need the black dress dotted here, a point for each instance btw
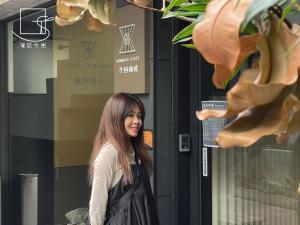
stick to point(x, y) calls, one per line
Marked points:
point(140, 209)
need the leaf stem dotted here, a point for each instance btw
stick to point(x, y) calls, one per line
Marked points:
point(184, 18)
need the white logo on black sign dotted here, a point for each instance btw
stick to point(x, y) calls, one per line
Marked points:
point(127, 44)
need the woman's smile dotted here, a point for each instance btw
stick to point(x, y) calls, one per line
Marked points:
point(133, 121)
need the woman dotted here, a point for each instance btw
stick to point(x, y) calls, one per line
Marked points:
point(121, 192)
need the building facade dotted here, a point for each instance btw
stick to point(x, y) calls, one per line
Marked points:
point(52, 93)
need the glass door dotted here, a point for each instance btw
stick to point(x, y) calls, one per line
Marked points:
point(257, 185)
point(57, 90)
point(59, 79)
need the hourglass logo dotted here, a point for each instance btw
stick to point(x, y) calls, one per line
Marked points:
point(127, 44)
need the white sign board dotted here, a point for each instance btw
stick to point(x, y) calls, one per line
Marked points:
point(212, 126)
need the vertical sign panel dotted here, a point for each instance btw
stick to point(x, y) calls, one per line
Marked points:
point(204, 162)
point(130, 70)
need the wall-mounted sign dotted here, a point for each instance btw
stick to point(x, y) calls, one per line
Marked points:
point(211, 127)
point(130, 55)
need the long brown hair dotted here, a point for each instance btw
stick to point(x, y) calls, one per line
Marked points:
point(112, 130)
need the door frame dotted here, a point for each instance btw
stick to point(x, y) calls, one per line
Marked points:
point(183, 194)
point(3, 118)
point(200, 186)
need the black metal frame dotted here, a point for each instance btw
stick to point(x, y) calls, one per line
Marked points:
point(182, 79)
point(184, 195)
point(205, 182)
point(163, 116)
point(3, 117)
point(200, 186)
point(195, 161)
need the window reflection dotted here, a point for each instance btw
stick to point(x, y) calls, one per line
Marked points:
point(257, 185)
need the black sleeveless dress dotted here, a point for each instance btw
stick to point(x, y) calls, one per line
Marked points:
point(140, 209)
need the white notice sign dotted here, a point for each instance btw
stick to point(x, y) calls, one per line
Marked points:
point(212, 126)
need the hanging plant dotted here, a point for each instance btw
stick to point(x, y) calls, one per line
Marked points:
point(226, 32)
point(261, 100)
point(98, 12)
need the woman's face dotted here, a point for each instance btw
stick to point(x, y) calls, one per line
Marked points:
point(133, 121)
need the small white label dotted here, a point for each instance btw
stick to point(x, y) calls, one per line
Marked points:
point(204, 162)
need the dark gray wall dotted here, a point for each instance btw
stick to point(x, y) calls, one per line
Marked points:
point(177, 95)
point(31, 155)
point(71, 191)
point(3, 122)
point(31, 151)
point(148, 98)
point(163, 126)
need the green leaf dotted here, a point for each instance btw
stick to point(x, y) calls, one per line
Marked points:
point(201, 1)
point(172, 4)
point(282, 3)
point(285, 12)
point(236, 71)
point(189, 46)
point(183, 40)
point(193, 7)
point(250, 29)
point(297, 7)
point(200, 17)
point(185, 32)
point(256, 7)
point(180, 13)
